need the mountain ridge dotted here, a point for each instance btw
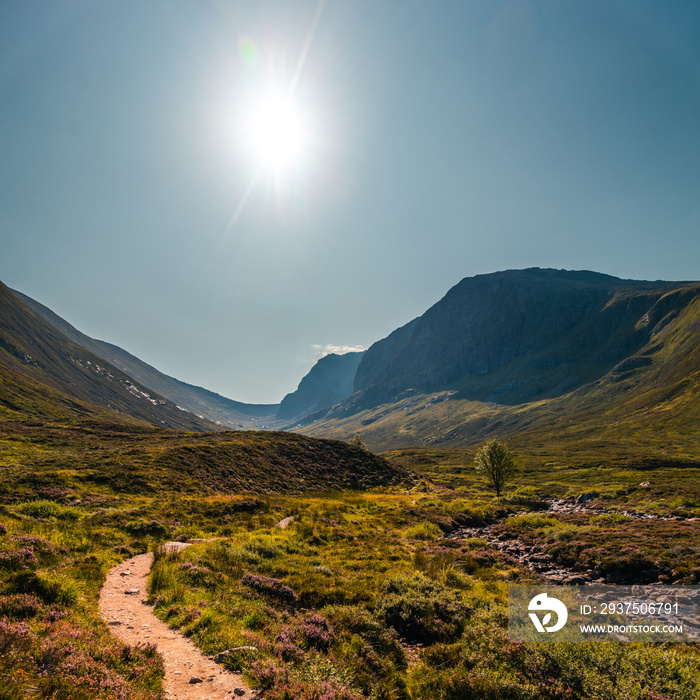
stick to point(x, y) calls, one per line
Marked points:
point(47, 375)
point(200, 401)
point(329, 382)
point(500, 354)
point(542, 344)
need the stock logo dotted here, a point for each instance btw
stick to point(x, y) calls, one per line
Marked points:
point(541, 603)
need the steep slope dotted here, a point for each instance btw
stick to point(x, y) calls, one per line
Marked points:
point(202, 402)
point(44, 374)
point(513, 336)
point(329, 381)
point(572, 354)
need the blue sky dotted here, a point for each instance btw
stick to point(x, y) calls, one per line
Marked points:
point(442, 140)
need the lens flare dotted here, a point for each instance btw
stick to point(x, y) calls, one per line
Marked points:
point(246, 48)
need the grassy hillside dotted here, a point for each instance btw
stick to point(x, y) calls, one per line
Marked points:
point(44, 374)
point(201, 402)
point(90, 457)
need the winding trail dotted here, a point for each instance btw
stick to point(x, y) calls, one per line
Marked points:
point(189, 675)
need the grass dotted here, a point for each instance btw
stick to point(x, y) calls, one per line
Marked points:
point(361, 596)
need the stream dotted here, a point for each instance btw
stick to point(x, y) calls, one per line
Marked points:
point(533, 556)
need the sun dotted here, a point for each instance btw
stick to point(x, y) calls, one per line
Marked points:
point(276, 132)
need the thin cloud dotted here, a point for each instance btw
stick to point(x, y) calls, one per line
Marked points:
point(323, 350)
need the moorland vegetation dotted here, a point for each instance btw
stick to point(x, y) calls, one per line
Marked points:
point(361, 596)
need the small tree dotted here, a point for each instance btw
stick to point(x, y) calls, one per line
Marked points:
point(497, 463)
point(356, 441)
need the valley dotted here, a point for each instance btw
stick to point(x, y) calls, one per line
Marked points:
point(391, 577)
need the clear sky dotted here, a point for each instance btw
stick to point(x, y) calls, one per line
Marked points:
point(148, 197)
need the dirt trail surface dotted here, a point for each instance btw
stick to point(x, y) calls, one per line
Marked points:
point(189, 675)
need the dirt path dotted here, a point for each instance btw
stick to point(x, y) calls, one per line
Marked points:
point(133, 622)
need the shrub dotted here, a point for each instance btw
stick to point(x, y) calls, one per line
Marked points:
point(271, 587)
point(49, 590)
point(14, 635)
point(317, 632)
point(523, 523)
point(48, 509)
point(195, 574)
point(609, 519)
point(123, 549)
point(147, 528)
point(19, 606)
point(421, 609)
point(23, 558)
point(286, 647)
point(425, 531)
point(361, 622)
point(261, 548)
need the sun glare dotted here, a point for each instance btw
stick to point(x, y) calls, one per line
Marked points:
point(276, 132)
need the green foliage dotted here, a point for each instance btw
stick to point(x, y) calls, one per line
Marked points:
point(421, 609)
point(357, 442)
point(48, 509)
point(345, 558)
point(147, 528)
point(497, 463)
point(520, 524)
point(424, 531)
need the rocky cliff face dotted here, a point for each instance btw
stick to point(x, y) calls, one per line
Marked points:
point(515, 336)
point(329, 382)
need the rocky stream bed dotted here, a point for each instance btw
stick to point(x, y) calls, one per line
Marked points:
point(535, 558)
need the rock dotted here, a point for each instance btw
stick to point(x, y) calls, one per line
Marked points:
point(574, 581)
point(586, 497)
point(222, 656)
point(194, 680)
point(132, 591)
point(114, 623)
point(286, 522)
point(239, 691)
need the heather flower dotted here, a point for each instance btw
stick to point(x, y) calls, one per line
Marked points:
point(272, 587)
point(23, 558)
point(286, 646)
point(14, 635)
point(317, 632)
point(39, 544)
point(195, 574)
point(19, 606)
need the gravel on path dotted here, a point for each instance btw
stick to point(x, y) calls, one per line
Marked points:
point(189, 675)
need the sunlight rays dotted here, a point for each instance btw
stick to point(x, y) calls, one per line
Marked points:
point(276, 130)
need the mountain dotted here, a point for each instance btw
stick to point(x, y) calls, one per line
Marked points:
point(202, 402)
point(519, 349)
point(513, 336)
point(328, 383)
point(45, 375)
